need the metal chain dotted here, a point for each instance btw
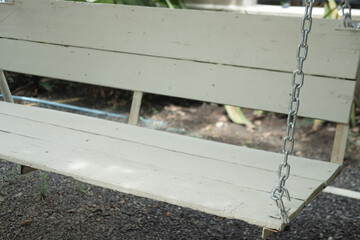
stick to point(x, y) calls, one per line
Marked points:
point(346, 12)
point(347, 20)
point(297, 82)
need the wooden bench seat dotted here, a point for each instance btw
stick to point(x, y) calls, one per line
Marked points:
point(220, 57)
point(216, 178)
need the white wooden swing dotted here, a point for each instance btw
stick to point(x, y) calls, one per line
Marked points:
point(226, 58)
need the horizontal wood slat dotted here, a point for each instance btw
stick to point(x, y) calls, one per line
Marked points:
point(173, 142)
point(267, 42)
point(177, 188)
point(158, 171)
point(252, 88)
point(159, 157)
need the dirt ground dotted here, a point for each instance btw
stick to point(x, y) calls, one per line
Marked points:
point(44, 205)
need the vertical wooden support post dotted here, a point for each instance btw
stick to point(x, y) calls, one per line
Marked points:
point(338, 150)
point(135, 108)
point(5, 88)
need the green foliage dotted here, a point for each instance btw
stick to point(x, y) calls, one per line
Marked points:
point(43, 188)
point(80, 187)
point(237, 116)
point(154, 111)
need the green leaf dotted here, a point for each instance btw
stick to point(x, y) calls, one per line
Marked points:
point(237, 116)
point(330, 10)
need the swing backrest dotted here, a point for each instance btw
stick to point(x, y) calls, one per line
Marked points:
point(221, 57)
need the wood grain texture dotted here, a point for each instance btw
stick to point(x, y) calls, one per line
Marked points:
point(267, 233)
point(266, 42)
point(135, 108)
point(252, 88)
point(170, 141)
point(339, 145)
point(163, 158)
point(158, 170)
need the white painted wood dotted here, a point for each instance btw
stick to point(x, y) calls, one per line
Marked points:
point(342, 192)
point(4, 87)
point(185, 190)
point(252, 88)
point(223, 186)
point(135, 108)
point(267, 233)
point(267, 42)
point(248, 3)
point(218, 169)
point(339, 145)
point(173, 142)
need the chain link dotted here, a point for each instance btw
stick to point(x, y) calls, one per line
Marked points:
point(287, 147)
point(346, 13)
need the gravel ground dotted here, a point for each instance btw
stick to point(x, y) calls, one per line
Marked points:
point(350, 177)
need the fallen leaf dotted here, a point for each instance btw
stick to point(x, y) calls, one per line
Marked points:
point(237, 116)
point(27, 221)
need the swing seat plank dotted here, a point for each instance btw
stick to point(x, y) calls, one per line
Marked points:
point(216, 178)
